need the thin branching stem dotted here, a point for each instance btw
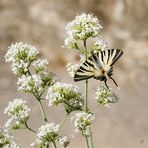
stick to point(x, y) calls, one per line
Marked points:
point(89, 139)
point(38, 98)
point(29, 128)
point(63, 121)
point(43, 111)
point(54, 144)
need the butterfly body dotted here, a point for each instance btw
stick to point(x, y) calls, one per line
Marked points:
point(99, 66)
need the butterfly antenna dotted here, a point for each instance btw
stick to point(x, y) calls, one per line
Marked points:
point(114, 82)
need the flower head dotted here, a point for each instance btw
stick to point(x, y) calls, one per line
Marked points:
point(72, 69)
point(20, 67)
point(83, 27)
point(65, 94)
point(21, 51)
point(104, 96)
point(47, 133)
point(30, 83)
point(7, 140)
point(40, 65)
point(13, 124)
point(99, 45)
point(64, 141)
point(70, 43)
point(17, 109)
point(48, 78)
point(82, 120)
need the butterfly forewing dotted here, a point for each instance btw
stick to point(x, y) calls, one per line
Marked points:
point(88, 69)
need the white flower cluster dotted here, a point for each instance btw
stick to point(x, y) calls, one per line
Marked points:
point(30, 83)
point(7, 140)
point(18, 112)
point(19, 67)
point(21, 55)
point(66, 94)
point(21, 51)
point(104, 96)
point(71, 68)
point(82, 120)
point(71, 43)
point(82, 27)
point(47, 134)
point(40, 65)
point(64, 141)
point(99, 45)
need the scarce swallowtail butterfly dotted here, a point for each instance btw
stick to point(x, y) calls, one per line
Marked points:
point(99, 66)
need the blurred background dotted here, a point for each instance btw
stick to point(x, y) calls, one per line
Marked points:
point(42, 24)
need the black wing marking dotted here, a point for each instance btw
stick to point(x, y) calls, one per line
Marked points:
point(115, 55)
point(103, 60)
point(88, 69)
point(107, 58)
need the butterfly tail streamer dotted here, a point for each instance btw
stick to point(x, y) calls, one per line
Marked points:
point(114, 81)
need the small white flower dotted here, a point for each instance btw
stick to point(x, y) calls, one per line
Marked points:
point(30, 83)
point(71, 68)
point(21, 51)
point(99, 45)
point(104, 96)
point(64, 141)
point(7, 140)
point(20, 67)
point(83, 27)
point(82, 120)
point(66, 94)
point(70, 43)
point(47, 134)
point(17, 110)
point(8, 124)
point(40, 65)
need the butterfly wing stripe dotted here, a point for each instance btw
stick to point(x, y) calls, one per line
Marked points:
point(80, 78)
point(83, 69)
point(95, 59)
point(117, 56)
point(117, 51)
point(90, 64)
point(86, 71)
point(113, 52)
point(105, 55)
point(108, 55)
point(99, 58)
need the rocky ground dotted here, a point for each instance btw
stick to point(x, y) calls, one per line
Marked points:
point(42, 23)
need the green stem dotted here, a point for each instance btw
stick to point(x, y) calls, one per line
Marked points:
point(38, 98)
point(86, 138)
point(63, 121)
point(42, 110)
point(54, 144)
point(30, 129)
point(89, 139)
point(86, 83)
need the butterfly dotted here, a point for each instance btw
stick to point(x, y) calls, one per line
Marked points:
point(99, 66)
